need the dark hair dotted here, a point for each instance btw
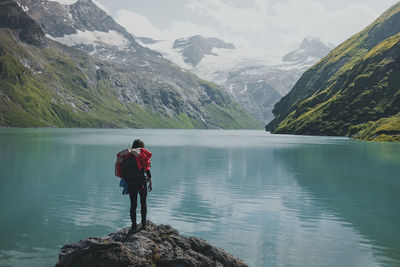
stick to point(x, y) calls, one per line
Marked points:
point(137, 143)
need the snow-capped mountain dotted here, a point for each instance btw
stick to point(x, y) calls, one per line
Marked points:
point(257, 80)
point(141, 76)
point(82, 25)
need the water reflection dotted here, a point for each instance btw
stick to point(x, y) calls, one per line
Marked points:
point(271, 200)
point(358, 184)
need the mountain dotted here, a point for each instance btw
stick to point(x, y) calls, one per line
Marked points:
point(29, 31)
point(259, 87)
point(352, 91)
point(194, 48)
point(256, 81)
point(310, 51)
point(120, 84)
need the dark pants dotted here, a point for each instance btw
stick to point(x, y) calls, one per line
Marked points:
point(133, 190)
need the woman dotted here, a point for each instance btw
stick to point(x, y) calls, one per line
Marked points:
point(135, 164)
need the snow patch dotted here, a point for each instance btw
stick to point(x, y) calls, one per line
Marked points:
point(166, 49)
point(110, 57)
point(231, 88)
point(65, 2)
point(91, 37)
point(244, 90)
point(24, 8)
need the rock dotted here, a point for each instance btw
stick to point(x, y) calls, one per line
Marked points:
point(193, 49)
point(13, 17)
point(157, 245)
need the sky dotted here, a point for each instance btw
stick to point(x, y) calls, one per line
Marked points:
point(258, 24)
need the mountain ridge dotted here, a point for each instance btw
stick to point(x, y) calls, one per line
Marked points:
point(256, 84)
point(194, 48)
point(358, 68)
point(88, 91)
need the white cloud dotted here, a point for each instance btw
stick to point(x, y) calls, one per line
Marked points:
point(141, 26)
point(252, 19)
point(310, 18)
point(284, 22)
point(262, 24)
point(185, 29)
point(65, 2)
point(138, 24)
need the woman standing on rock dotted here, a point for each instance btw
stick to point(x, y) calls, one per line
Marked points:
point(133, 164)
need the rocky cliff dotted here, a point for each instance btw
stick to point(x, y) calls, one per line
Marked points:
point(310, 51)
point(28, 31)
point(194, 48)
point(158, 245)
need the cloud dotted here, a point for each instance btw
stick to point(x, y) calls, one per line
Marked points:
point(138, 24)
point(261, 24)
point(65, 2)
point(284, 21)
point(236, 19)
point(310, 18)
point(141, 26)
point(186, 29)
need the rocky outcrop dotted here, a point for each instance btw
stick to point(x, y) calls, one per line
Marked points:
point(310, 51)
point(158, 245)
point(58, 20)
point(194, 48)
point(12, 17)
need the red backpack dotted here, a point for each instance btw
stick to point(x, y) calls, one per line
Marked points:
point(143, 161)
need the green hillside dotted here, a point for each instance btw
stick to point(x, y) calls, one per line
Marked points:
point(357, 83)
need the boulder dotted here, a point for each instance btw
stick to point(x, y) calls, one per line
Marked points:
point(157, 245)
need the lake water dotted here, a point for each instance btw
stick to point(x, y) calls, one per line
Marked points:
point(272, 200)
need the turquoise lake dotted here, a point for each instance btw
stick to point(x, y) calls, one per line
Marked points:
point(272, 200)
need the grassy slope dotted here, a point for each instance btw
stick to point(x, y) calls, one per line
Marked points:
point(364, 88)
point(368, 91)
point(227, 114)
point(56, 90)
point(385, 129)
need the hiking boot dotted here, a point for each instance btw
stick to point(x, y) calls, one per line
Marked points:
point(144, 225)
point(133, 229)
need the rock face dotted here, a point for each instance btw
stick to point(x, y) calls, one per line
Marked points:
point(194, 48)
point(258, 88)
point(310, 51)
point(158, 245)
point(58, 20)
point(29, 32)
